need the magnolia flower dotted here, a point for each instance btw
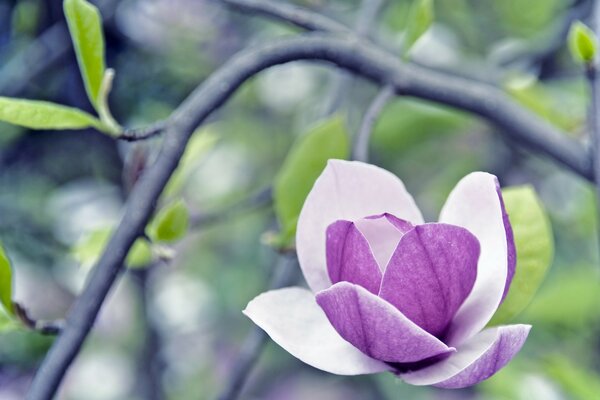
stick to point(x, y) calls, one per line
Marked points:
point(389, 292)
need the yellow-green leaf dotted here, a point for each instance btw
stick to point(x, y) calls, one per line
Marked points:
point(535, 249)
point(140, 255)
point(85, 26)
point(304, 163)
point(5, 282)
point(583, 42)
point(420, 18)
point(171, 223)
point(35, 114)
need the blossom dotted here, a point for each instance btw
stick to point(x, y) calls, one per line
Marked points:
point(389, 292)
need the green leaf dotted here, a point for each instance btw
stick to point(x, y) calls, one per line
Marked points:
point(304, 163)
point(85, 26)
point(569, 302)
point(5, 282)
point(200, 143)
point(577, 380)
point(140, 254)
point(35, 114)
point(171, 223)
point(7, 323)
point(535, 249)
point(420, 18)
point(87, 251)
point(583, 42)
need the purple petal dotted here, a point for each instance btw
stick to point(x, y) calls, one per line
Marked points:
point(375, 327)
point(383, 232)
point(292, 318)
point(349, 257)
point(349, 191)
point(475, 205)
point(510, 243)
point(477, 359)
point(431, 273)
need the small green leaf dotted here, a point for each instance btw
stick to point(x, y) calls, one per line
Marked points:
point(85, 26)
point(140, 255)
point(35, 114)
point(171, 223)
point(583, 43)
point(304, 163)
point(535, 249)
point(87, 251)
point(200, 143)
point(420, 18)
point(5, 282)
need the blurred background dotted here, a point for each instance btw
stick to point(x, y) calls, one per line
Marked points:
point(177, 327)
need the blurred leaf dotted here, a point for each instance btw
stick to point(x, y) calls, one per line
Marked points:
point(303, 164)
point(420, 18)
point(535, 249)
point(140, 254)
point(543, 101)
point(85, 26)
point(582, 42)
point(575, 379)
point(200, 143)
point(7, 323)
point(570, 300)
point(5, 282)
point(171, 223)
point(25, 17)
point(90, 247)
point(44, 115)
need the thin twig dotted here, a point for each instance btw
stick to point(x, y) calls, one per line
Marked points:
point(364, 59)
point(49, 328)
point(147, 132)
point(342, 80)
point(594, 112)
point(255, 341)
point(150, 361)
point(361, 143)
point(293, 14)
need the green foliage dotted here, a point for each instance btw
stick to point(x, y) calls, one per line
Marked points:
point(90, 247)
point(535, 249)
point(5, 283)
point(583, 43)
point(7, 323)
point(200, 143)
point(171, 223)
point(44, 115)
point(578, 381)
point(568, 302)
point(304, 163)
point(420, 18)
point(85, 26)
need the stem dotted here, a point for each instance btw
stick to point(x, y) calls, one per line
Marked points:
point(361, 145)
point(255, 341)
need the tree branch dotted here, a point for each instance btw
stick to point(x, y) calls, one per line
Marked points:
point(363, 59)
point(290, 13)
point(594, 113)
point(361, 143)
